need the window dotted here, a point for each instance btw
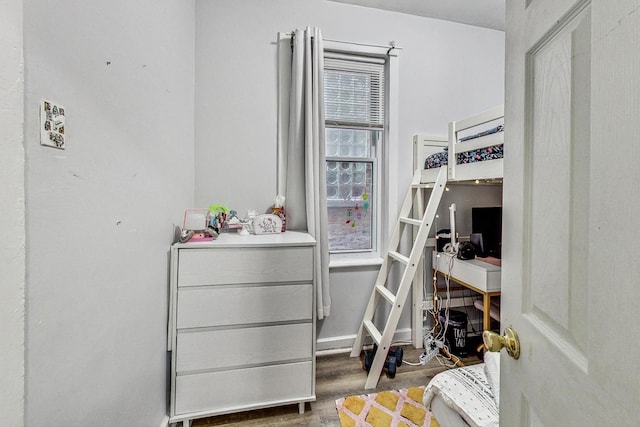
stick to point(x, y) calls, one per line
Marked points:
point(354, 88)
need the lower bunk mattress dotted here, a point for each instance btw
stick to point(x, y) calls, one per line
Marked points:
point(467, 396)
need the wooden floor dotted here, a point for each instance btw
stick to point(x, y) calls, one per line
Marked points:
point(337, 375)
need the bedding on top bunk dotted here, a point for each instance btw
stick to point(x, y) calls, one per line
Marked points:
point(441, 158)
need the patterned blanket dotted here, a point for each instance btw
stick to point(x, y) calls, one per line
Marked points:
point(441, 158)
point(472, 391)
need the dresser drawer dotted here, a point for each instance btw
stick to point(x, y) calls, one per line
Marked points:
point(228, 391)
point(241, 305)
point(225, 266)
point(222, 349)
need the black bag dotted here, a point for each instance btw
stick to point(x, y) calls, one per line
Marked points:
point(466, 250)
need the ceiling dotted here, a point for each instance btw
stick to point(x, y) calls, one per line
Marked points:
point(481, 13)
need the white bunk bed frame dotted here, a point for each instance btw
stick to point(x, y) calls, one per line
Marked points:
point(490, 171)
point(424, 146)
point(486, 170)
point(413, 206)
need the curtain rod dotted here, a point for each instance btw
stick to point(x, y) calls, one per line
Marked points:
point(391, 45)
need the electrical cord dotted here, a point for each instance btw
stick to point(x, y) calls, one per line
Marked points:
point(438, 332)
point(446, 361)
point(466, 308)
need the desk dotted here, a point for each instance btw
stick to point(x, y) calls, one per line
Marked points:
point(479, 276)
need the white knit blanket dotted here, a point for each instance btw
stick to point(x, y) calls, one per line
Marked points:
point(472, 391)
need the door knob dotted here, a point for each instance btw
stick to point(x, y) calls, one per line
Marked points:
point(509, 340)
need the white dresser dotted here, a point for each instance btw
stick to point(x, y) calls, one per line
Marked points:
point(241, 324)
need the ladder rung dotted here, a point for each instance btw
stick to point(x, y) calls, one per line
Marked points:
point(375, 334)
point(412, 221)
point(399, 257)
point(413, 200)
point(423, 185)
point(387, 294)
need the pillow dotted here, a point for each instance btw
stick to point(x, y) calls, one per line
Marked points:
point(492, 371)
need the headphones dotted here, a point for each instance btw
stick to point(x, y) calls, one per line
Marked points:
point(450, 249)
point(466, 250)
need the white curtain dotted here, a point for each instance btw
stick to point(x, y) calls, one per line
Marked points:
point(301, 163)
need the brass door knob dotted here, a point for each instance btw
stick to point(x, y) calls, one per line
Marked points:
point(509, 340)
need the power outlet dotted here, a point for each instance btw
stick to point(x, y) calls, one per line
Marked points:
point(428, 355)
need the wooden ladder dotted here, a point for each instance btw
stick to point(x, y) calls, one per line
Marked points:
point(411, 208)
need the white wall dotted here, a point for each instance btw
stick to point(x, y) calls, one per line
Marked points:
point(447, 71)
point(100, 213)
point(466, 197)
point(12, 214)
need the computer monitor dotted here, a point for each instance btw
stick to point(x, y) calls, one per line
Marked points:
point(486, 230)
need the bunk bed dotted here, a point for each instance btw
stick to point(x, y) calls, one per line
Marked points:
point(472, 152)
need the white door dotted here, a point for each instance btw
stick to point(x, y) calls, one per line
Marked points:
point(571, 245)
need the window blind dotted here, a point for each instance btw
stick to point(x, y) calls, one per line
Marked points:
point(354, 91)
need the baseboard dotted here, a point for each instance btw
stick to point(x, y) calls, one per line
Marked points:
point(345, 342)
point(165, 422)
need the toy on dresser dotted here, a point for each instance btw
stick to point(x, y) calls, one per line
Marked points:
point(233, 222)
point(218, 217)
